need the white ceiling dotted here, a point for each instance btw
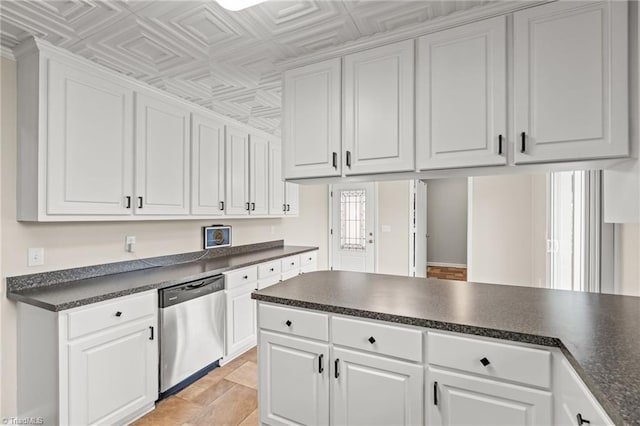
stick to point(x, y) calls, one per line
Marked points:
point(201, 52)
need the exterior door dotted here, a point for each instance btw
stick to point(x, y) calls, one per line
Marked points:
point(571, 81)
point(379, 98)
point(372, 390)
point(90, 144)
point(162, 157)
point(237, 194)
point(353, 223)
point(461, 96)
point(259, 175)
point(460, 399)
point(207, 166)
point(294, 380)
point(241, 319)
point(102, 388)
point(276, 184)
point(312, 107)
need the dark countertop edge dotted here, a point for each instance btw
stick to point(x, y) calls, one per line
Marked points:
point(533, 339)
point(19, 295)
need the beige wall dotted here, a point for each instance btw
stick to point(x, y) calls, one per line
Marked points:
point(393, 211)
point(628, 248)
point(77, 244)
point(507, 222)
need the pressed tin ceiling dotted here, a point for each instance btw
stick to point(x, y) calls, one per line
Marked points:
point(204, 53)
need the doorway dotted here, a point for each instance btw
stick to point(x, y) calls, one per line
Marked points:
point(352, 227)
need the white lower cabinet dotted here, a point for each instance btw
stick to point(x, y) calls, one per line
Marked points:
point(94, 364)
point(373, 390)
point(241, 320)
point(462, 399)
point(294, 380)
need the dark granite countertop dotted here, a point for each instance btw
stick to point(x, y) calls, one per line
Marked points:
point(80, 292)
point(599, 333)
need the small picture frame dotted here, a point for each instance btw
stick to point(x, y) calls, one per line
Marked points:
point(216, 236)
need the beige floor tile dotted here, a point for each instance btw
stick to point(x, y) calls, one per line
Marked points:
point(251, 355)
point(251, 420)
point(246, 375)
point(213, 392)
point(171, 411)
point(229, 409)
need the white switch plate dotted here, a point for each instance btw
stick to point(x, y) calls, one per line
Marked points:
point(35, 256)
point(130, 243)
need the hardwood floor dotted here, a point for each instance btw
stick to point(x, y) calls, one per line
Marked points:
point(225, 396)
point(447, 273)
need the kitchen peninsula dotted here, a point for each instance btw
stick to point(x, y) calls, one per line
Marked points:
point(454, 352)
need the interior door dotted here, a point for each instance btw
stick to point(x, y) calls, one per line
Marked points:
point(259, 175)
point(207, 166)
point(353, 209)
point(375, 391)
point(237, 150)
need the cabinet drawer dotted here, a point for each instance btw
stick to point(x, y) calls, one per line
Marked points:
point(382, 339)
point(309, 258)
point(508, 362)
point(240, 277)
point(268, 269)
point(301, 323)
point(291, 262)
point(290, 274)
point(112, 313)
point(574, 398)
point(309, 267)
point(268, 281)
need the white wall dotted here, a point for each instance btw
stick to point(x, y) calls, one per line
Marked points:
point(77, 244)
point(447, 220)
point(628, 250)
point(393, 211)
point(507, 222)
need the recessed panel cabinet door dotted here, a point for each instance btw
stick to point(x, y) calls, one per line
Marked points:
point(373, 390)
point(378, 111)
point(461, 96)
point(459, 399)
point(89, 145)
point(571, 81)
point(294, 380)
point(276, 184)
point(113, 374)
point(237, 194)
point(241, 319)
point(162, 157)
point(311, 125)
point(207, 166)
point(259, 175)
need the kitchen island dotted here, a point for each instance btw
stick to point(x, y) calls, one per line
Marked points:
point(597, 334)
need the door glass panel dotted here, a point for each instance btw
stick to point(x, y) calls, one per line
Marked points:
point(352, 220)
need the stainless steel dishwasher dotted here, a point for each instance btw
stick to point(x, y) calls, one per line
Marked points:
point(192, 331)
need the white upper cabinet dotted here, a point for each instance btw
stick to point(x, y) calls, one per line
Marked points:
point(162, 157)
point(378, 110)
point(311, 123)
point(237, 194)
point(259, 175)
point(292, 198)
point(207, 166)
point(571, 82)
point(276, 185)
point(461, 96)
point(90, 144)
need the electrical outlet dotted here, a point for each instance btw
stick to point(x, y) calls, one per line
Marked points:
point(130, 243)
point(35, 257)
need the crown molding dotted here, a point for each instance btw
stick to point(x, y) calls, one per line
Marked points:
point(7, 53)
point(411, 32)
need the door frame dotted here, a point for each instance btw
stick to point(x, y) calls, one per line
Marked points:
point(375, 225)
point(417, 227)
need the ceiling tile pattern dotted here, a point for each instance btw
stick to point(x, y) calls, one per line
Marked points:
point(222, 60)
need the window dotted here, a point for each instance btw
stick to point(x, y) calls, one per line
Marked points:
point(352, 220)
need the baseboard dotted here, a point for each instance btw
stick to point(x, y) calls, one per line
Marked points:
point(237, 353)
point(447, 265)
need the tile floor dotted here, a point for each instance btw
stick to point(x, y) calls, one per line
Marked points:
point(446, 273)
point(225, 396)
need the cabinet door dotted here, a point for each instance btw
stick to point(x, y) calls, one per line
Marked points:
point(241, 319)
point(379, 110)
point(162, 157)
point(276, 184)
point(570, 81)
point(113, 374)
point(90, 145)
point(292, 198)
point(259, 175)
point(207, 166)
point(312, 100)
point(461, 96)
point(459, 399)
point(237, 194)
point(373, 390)
point(294, 380)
